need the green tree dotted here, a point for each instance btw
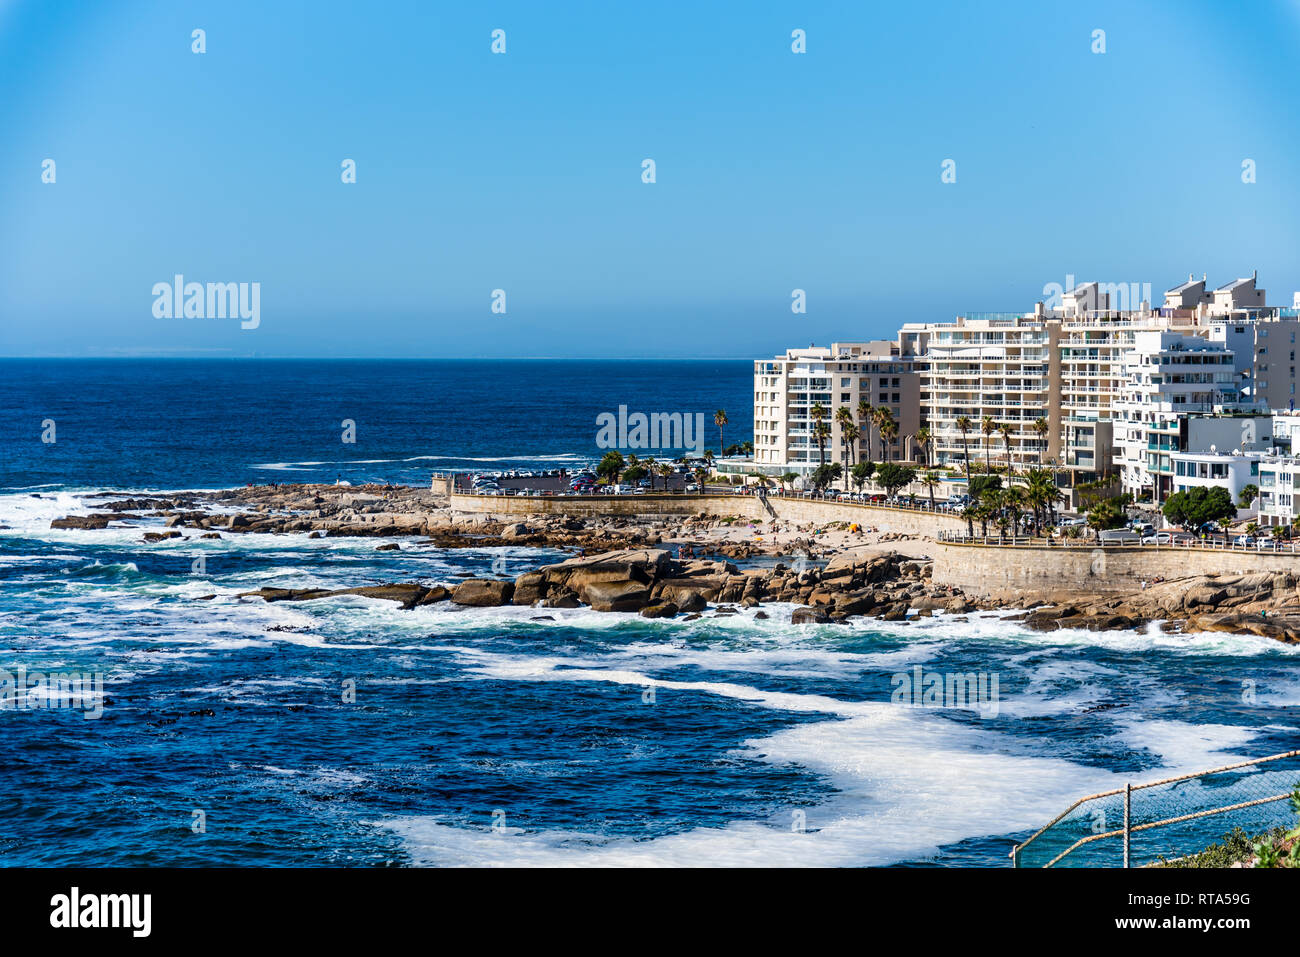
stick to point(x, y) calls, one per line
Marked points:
point(1248, 495)
point(861, 473)
point(825, 475)
point(980, 485)
point(1041, 494)
point(1198, 505)
point(611, 466)
point(891, 477)
point(1105, 515)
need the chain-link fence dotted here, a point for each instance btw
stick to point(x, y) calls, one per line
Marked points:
point(1169, 818)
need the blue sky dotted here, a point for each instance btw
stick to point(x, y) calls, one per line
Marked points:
point(522, 171)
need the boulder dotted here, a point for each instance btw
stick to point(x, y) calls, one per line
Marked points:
point(683, 595)
point(660, 610)
point(83, 521)
point(614, 595)
point(483, 592)
point(434, 594)
point(627, 565)
point(858, 604)
point(530, 588)
point(808, 616)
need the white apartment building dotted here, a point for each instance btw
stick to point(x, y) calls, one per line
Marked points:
point(1063, 366)
point(1215, 470)
point(1279, 490)
point(1180, 394)
point(787, 388)
point(994, 365)
point(1286, 432)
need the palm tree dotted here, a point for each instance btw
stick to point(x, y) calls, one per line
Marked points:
point(851, 433)
point(1041, 493)
point(923, 438)
point(819, 431)
point(888, 431)
point(720, 420)
point(988, 427)
point(787, 478)
point(1041, 429)
point(964, 425)
point(996, 501)
point(1005, 429)
point(865, 418)
point(665, 470)
point(878, 416)
point(651, 470)
point(844, 418)
point(930, 480)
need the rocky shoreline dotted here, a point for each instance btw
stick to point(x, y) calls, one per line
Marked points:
point(634, 569)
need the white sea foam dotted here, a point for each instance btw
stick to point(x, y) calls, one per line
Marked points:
point(909, 781)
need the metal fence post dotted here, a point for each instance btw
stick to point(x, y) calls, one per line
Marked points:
point(1128, 801)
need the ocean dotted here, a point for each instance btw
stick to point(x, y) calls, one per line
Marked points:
point(348, 732)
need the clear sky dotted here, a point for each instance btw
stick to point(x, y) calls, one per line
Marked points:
point(523, 171)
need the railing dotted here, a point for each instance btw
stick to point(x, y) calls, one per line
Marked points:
point(1166, 819)
point(1288, 547)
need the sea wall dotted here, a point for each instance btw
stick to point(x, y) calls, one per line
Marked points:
point(798, 510)
point(984, 569)
point(980, 569)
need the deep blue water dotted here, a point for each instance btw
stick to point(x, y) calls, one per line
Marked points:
point(194, 423)
point(492, 736)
